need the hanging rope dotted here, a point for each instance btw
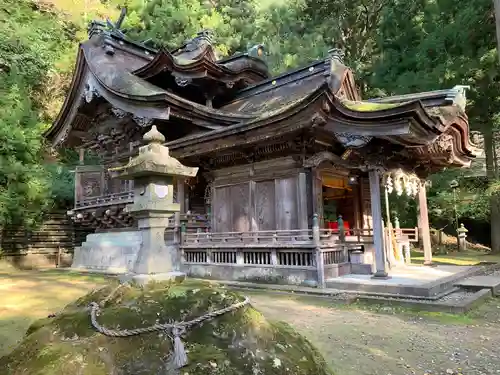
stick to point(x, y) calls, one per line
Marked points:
point(172, 330)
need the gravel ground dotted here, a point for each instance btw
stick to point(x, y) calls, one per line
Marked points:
point(360, 342)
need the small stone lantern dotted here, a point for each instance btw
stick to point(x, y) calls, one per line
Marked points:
point(153, 172)
point(462, 235)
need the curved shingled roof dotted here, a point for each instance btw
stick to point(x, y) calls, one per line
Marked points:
point(432, 126)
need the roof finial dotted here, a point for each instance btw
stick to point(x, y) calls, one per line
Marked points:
point(257, 51)
point(207, 34)
point(337, 54)
point(153, 136)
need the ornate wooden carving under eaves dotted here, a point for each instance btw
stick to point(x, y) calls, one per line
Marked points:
point(444, 143)
point(318, 120)
point(182, 82)
point(90, 92)
point(352, 140)
point(325, 156)
point(143, 122)
point(119, 113)
point(64, 137)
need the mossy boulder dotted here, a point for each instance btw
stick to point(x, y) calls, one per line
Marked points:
point(239, 342)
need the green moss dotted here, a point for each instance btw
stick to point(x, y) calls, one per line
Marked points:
point(239, 342)
point(368, 106)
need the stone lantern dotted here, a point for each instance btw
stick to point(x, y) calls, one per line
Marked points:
point(153, 172)
point(462, 237)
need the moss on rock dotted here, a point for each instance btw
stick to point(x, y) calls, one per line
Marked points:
point(240, 342)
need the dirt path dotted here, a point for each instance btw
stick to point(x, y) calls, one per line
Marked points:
point(360, 342)
point(355, 341)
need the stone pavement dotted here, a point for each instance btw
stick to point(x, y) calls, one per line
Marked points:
point(481, 282)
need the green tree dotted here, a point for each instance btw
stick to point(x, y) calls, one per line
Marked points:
point(170, 23)
point(31, 43)
point(426, 45)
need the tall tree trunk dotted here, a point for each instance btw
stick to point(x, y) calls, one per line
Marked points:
point(489, 147)
point(489, 150)
point(496, 6)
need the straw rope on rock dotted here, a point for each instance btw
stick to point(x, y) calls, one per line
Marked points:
point(176, 330)
point(222, 335)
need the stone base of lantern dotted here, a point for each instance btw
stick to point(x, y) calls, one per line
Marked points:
point(112, 252)
point(144, 279)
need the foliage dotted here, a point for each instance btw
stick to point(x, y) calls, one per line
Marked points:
point(393, 46)
point(431, 44)
point(29, 46)
point(23, 181)
point(37, 52)
point(469, 198)
point(424, 45)
point(170, 23)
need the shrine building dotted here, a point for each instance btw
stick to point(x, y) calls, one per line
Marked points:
point(290, 166)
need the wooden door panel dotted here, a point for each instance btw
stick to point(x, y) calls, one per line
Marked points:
point(240, 207)
point(221, 208)
point(286, 203)
point(265, 205)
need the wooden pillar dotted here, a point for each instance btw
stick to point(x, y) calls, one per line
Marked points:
point(130, 183)
point(302, 200)
point(181, 195)
point(358, 212)
point(320, 266)
point(81, 156)
point(378, 230)
point(425, 230)
point(317, 192)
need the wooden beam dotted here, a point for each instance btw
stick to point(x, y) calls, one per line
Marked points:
point(317, 192)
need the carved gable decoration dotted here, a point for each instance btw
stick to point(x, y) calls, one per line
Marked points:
point(349, 140)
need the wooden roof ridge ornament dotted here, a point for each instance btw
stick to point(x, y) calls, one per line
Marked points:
point(459, 98)
point(340, 78)
point(201, 43)
point(153, 160)
point(341, 83)
point(114, 28)
point(197, 59)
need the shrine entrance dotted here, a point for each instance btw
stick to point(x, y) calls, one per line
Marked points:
point(338, 200)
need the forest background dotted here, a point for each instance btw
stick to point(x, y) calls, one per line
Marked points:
point(393, 46)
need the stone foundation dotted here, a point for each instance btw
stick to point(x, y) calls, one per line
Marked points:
point(114, 252)
point(256, 274)
point(336, 270)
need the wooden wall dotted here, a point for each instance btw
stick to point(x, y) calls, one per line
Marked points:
point(277, 195)
point(270, 195)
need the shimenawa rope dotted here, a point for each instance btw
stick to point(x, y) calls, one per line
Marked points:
point(172, 330)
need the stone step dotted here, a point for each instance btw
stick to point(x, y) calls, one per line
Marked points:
point(481, 282)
